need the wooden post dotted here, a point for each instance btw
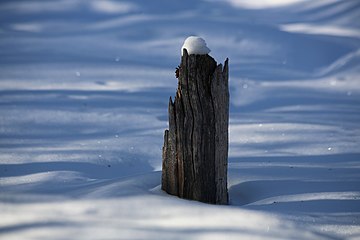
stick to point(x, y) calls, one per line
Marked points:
point(195, 151)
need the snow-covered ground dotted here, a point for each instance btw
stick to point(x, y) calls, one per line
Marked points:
point(84, 86)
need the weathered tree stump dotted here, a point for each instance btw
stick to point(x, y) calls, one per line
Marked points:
point(195, 151)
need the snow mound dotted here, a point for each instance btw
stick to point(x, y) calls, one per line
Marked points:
point(195, 45)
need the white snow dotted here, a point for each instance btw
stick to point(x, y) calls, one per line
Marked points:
point(324, 30)
point(195, 45)
point(112, 7)
point(27, 27)
point(260, 4)
point(84, 92)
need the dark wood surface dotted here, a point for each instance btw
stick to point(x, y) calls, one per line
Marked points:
point(195, 148)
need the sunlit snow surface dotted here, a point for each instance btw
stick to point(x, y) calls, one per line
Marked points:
point(84, 87)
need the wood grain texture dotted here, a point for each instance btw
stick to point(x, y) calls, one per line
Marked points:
point(195, 148)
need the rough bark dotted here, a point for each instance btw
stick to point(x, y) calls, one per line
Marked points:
point(195, 148)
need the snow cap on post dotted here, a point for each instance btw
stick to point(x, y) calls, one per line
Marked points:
point(195, 45)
